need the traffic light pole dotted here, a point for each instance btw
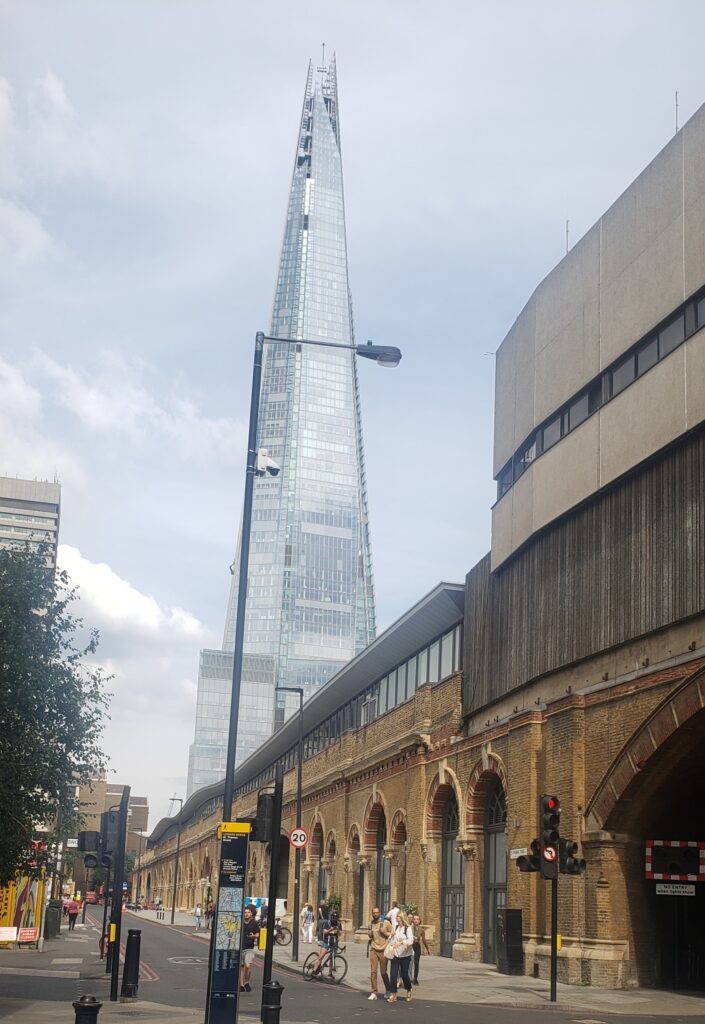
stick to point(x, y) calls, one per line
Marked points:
point(554, 937)
point(116, 907)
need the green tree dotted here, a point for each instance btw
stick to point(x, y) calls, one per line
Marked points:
point(52, 710)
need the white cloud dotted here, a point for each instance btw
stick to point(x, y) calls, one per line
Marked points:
point(114, 603)
point(151, 651)
point(111, 398)
point(22, 235)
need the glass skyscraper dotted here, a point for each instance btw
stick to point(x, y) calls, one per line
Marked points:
point(310, 599)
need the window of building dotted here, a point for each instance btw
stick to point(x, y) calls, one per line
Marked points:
point(422, 675)
point(447, 656)
point(623, 374)
point(369, 711)
point(411, 676)
point(647, 356)
point(433, 662)
point(551, 433)
point(700, 315)
point(383, 696)
point(671, 336)
point(506, 478)
point(578, 411)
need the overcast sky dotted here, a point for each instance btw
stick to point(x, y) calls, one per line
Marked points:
point(146, 150)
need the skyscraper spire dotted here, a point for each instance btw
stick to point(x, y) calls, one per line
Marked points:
point(310, 604)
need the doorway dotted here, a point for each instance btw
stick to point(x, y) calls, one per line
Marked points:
point(452, 879)
point(495, 866)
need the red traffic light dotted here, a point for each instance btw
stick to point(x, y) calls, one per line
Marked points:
point(553, 803)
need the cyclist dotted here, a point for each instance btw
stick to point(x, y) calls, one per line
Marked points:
point(329, 934)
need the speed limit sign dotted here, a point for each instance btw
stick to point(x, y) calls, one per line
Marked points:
point(299, 838)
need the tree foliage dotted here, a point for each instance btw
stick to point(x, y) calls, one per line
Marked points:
point(52, 710)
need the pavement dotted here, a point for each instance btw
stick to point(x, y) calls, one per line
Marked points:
point(68, 965)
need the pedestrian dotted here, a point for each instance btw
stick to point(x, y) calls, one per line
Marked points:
point(263, 915)
point(198, 912)
point(419, 938)
point(399, 951)
point(210, 909)
point(392, 915)
point(308, 919)
point(379, 933)
point(72, 911)
point(250, 934)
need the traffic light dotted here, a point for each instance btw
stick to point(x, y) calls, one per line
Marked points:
point(549, 839)
point(532, 861)
point(110, 830)
point(90, 861)
point(261, 826)
point(88, 842)
point(568, 860)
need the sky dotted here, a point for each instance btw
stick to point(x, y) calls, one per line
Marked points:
point(146, 151)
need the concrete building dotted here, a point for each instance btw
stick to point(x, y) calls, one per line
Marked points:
point(29, 514)
point(583, 641)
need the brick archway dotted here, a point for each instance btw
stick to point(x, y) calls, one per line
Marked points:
point(443, 786)
point(376, 807)
point(482, 777)
point(637, 754)
point(354, 839)
point(397, 830)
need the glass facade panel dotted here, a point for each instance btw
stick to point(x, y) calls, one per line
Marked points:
point(310, 600)
point(411, 675)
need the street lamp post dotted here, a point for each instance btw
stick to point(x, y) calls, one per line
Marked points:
point(176, 799)
point(383, 355)
point(299, 823)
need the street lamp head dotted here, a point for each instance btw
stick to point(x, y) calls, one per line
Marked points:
point(383, 355)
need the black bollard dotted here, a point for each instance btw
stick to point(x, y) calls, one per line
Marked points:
point(87, 1009)
point(271, 1002)
point(131, 970)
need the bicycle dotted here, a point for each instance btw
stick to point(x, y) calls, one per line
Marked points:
point(282, 934)
point(333, 967)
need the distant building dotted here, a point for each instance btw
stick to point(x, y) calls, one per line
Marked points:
point(100, 796)
point(29, 514)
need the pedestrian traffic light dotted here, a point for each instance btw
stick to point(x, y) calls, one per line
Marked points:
point(90, 861)
point(568, 860)
point(549, 839)
point(106, 861)
point(531, 861)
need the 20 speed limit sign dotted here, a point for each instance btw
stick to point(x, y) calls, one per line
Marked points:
point(298, 838)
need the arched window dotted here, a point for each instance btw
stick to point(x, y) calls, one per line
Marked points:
point(384, 867)
point(452, 878)
point(495, 864)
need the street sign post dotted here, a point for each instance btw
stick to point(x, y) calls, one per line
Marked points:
point(226, 930)
point(298, 838)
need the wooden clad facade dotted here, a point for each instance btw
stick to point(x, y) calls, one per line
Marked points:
point(627, 563)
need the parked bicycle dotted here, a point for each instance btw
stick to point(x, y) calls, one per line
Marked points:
point(282, 934)
point(332, 969)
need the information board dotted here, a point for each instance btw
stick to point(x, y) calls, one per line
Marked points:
point(224, 982)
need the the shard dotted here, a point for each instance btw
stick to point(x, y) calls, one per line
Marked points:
point(310, 600)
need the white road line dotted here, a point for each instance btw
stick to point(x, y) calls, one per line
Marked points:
point(68, 960)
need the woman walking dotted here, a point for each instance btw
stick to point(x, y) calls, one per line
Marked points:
point(419, 937)
point(398, 952)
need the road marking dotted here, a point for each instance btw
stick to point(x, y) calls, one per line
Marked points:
point(190, 960)
point(34, 972)
point(68, 960)
point(578, 1020)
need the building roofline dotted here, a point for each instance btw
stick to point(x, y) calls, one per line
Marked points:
point(436, 612)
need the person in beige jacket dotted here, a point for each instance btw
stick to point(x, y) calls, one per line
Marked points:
point(379, 932)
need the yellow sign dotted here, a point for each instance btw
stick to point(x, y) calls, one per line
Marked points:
point(262, 941)
point(234, 827)
point(559, 941)
point(113, 932)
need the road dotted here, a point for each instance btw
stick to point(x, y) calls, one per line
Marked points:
point(174, 972)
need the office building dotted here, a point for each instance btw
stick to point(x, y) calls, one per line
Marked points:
point(29, 514)
point(310, 602)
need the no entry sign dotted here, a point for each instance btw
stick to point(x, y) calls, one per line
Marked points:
point(298, 838)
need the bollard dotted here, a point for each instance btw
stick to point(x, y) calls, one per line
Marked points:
point(87, 1009)
point(131, 970)
point(271, 1002)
